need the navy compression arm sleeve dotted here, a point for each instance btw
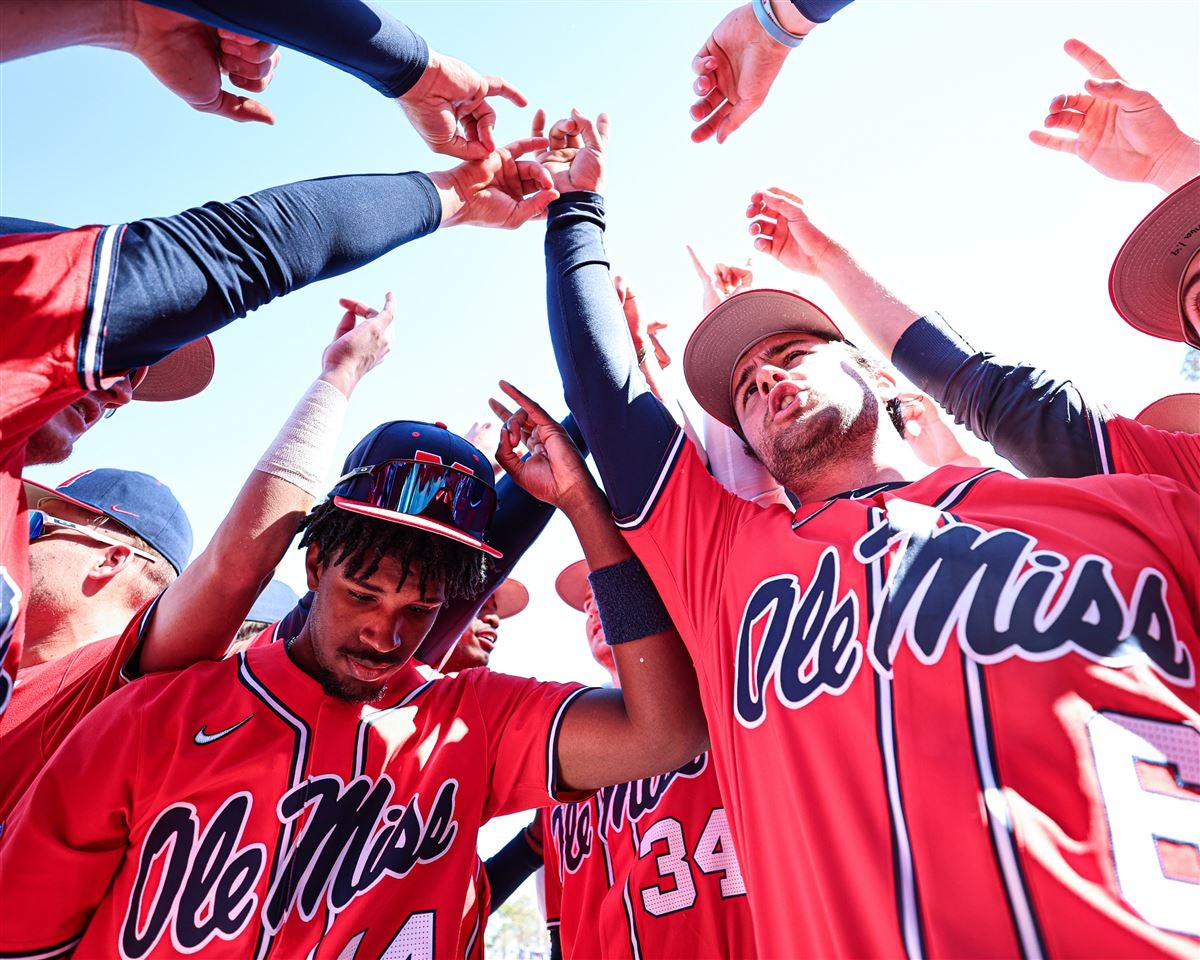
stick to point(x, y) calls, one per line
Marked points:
point(818, 11)
point(178, 278)
point(511, 866)
point(626, 426)
point(1040, 424)
point(359, 38)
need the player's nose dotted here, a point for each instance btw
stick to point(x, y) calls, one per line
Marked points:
point(768, 375)
point(381, 634)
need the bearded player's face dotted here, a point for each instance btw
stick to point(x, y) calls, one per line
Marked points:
point(800, 399)
point(362, 630)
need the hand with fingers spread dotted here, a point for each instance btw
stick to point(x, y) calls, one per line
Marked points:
point(554, 471)
point(736, 67)
point(448, 107)
point(577, 152)
point(358, 347)
point(501, 190)
point(644, 335)
point(1123, 133)
point(189, 57)
point(721, 280)
point(781, 228)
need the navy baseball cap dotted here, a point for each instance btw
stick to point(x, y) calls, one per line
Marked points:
point(423, 476)
point(137, 501)
point(274, 603)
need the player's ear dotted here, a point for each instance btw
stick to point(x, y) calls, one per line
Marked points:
point(109, 563)
point(313, 566)
point(885, 383)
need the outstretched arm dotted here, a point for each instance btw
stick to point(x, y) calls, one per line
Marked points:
point(627, 428)
point(199, 613)
point(175, 279)
point(654, 723)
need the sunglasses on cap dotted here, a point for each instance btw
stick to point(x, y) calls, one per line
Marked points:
point(418, 488)
point(40, 523)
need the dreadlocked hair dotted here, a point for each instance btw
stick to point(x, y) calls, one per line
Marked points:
point(360, 543)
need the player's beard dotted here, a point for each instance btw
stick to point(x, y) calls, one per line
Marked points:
point(341, 687)
point(819, 440)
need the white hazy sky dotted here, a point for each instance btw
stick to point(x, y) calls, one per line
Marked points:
point(903, 124)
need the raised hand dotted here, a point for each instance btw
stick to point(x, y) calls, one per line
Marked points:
point(554, 471)
point(498, 191)
point(929, 435)
point(189, 58)
point(448, 107)
point(358, 348)
point(577, 152)
point(644, 335)
point(1123, 133)
point(720, 281)
point(781, 228)
point(735, 69)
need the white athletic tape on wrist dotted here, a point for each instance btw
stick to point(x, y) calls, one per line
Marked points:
point(302, 451)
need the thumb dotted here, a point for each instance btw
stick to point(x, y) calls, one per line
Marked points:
point(239, 108)
point(737, 116)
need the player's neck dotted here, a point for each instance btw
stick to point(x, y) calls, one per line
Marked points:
point(886, 460)
point(50, 635)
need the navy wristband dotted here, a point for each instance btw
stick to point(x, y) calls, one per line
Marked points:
point(627, 602)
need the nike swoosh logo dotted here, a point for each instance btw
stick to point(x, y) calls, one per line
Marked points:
point(202, 737)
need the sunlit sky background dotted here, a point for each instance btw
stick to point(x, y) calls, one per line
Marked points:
point(903, 124)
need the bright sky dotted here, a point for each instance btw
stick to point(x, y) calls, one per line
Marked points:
point(903, 124)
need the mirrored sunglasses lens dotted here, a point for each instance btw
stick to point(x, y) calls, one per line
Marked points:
point(37, 524)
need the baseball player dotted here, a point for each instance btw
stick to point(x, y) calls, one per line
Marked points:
point(90, 308)
point(644, 869)
point(316, 797)
point(475, 645)
point(952, 712)
point(1040, 423)
point(80, 640)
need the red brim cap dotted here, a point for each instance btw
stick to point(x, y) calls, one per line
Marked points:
point(1146, 277)
point(1176, 413)
point(419, 523)
point(36, 492)
point(572, 584)
point(179, 375)
point(732, 328)
point(511, 598)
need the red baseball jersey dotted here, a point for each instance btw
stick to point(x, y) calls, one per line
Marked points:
point(54, 288)
point(234, 808)
point(646, 871)
point(954, 717)
point(1127, 446)
point(51, 699)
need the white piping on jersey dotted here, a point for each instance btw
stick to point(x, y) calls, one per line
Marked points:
point(1000, 817)
point(49, 953)
point(1100, 434)
point(552, 741)
point(93, 330)
point(668, 464)
point(297, 774)
point(360, 745)
point(635, 945)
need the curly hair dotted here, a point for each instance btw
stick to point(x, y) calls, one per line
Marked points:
point(360, 543)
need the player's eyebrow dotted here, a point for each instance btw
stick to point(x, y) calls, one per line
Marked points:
point(771, 354)
point(365, 584)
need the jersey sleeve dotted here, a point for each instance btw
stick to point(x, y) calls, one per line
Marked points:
point(552, 877)
point(683, 535)
point(522, 719)
point(1133, 447)
point(67, 837)
point(55, 288)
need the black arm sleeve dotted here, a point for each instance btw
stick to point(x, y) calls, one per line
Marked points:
point(818, 11)
point(520, 519)
point(1040, 424)
point(510, 867)
point(626, 426)
point(359, 38)
point(182, 277)
point(555, 944)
